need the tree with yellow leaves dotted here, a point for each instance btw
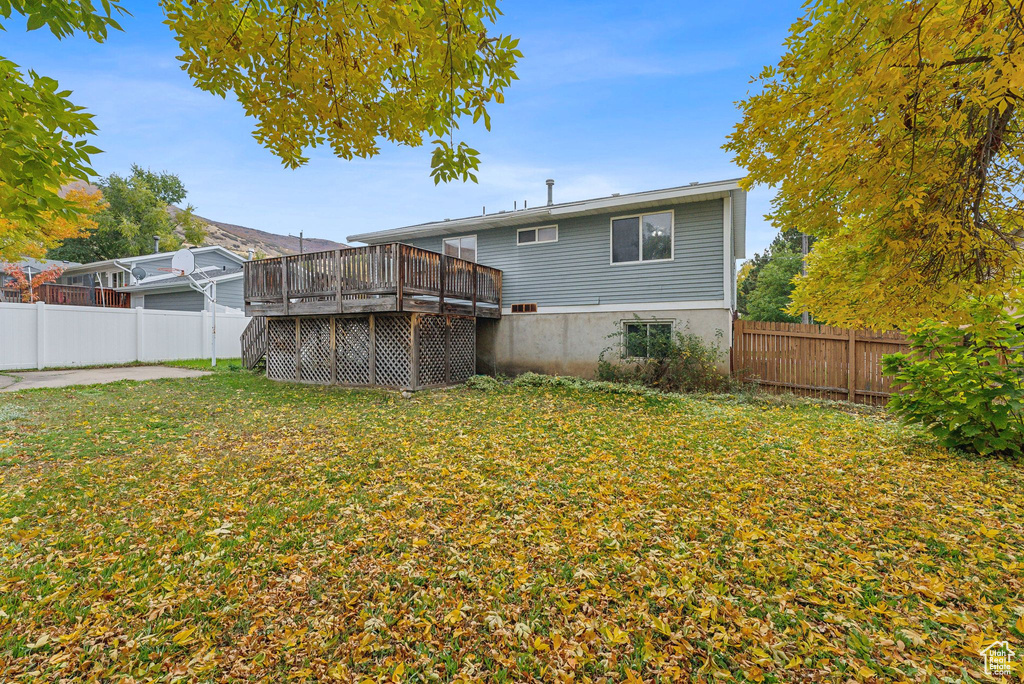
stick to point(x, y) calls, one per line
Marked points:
point(312, 73)
point(892, 132)
point(27, 237)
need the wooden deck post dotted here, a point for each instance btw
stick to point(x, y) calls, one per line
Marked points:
point(334, 350)
point(474, 288)
point(298, 351)
point(372, 359)
point(851, 395)
point(284, 284)
point(400, 276)
point(414, 352)
point(448, 350)
point(339, 287)
point(442, 269)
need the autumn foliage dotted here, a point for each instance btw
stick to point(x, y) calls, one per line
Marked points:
point(347, 76)
point(235, 529)
point(29, 287)
point(31, 238)
point(892, 132)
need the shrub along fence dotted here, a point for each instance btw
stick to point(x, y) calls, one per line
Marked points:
point(815, 360)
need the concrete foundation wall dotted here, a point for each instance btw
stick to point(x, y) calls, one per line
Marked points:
point(570, 343)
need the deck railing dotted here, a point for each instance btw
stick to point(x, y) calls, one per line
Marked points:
point(394, 276)
point(72, 295)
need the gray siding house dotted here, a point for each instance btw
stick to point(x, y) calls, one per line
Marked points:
point(578, 272)
point(161, 289)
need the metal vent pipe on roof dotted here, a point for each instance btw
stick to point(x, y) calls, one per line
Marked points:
point(551, 184)
point(156, 244)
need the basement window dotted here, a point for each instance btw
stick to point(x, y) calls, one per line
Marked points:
point(524, 308)
point(646, 340)
point(461, 247)
point(533, 236)
point(642, 238)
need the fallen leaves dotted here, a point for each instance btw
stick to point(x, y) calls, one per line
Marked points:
point(531, 533)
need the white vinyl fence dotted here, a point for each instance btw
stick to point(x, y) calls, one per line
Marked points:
point(50, 336)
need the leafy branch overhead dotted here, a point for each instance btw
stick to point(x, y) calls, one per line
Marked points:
point(311, 73)
point(892, 132)
point(330, 73)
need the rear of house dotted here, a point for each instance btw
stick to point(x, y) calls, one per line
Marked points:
point(578, 273)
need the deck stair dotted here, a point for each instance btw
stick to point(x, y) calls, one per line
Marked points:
point(254, 341)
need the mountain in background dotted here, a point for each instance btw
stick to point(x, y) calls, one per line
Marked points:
point(240, 239)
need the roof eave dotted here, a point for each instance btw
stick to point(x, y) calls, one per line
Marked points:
point(167, 285)
point(644, 199)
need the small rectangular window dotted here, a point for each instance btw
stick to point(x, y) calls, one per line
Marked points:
point(647, 237)
point(461, 247)
point(529, 236)
point(647, 340)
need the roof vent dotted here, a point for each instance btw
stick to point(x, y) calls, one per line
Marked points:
point(551, 184)
point(615, 194)
point(694, 182)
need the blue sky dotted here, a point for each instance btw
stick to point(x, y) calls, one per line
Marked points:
point(612, 97)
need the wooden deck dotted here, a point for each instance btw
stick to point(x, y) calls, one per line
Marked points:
point(71, 295)
point(378, 278)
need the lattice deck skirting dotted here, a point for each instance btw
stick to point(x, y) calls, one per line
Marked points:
point(404, 351)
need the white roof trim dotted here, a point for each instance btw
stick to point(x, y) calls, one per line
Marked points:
point(163, 283)
point(99, 265)
point(526, 217)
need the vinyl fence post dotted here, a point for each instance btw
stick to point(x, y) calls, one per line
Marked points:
point(204, 334)
point(40, 335)
point(140, 344)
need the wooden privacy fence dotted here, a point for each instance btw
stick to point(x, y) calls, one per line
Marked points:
point(815, 360)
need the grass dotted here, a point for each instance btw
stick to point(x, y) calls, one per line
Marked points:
point(200, 364)
point(232, 528)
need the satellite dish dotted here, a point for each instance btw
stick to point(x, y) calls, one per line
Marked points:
point(183, 262)
point(139, 273)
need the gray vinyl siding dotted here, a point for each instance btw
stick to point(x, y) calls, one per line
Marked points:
point(203, 259)
point(229, 293)
point(175, 301)
point(577, 270)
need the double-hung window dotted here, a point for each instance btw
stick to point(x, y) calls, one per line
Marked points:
point(533, 236)
point(646, 237)
point(461, 247)
point(647, 340)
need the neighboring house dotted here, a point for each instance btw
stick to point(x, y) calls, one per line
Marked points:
point(31, 268)
point(161, 289)
point(578, 272)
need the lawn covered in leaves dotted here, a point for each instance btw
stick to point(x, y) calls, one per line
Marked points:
point(231, 528)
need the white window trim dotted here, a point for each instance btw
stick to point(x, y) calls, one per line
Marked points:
point(537, 242)
point(611, 238)
point(644, 321)
point(476, 251)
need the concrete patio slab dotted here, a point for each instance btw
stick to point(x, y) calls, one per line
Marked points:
point(22, 380)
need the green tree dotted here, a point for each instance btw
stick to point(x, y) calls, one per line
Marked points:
point(136, 212)
point(42, 132)
point(310, 73)
point(751, 271)
point(770, 298)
